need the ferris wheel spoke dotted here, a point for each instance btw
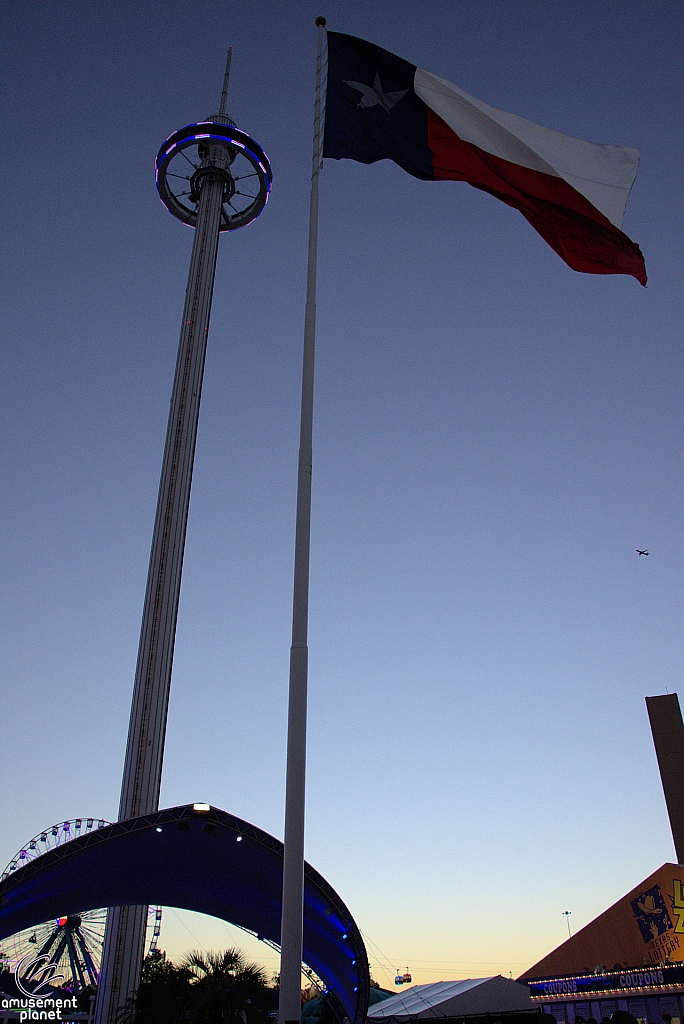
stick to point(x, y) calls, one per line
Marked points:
point(59, 952)
point(50, 939)
point(74, 962)
point(87, 958)
point(82, 958)
point(184, 154)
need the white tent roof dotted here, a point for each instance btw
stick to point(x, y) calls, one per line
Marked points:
point(450, 998)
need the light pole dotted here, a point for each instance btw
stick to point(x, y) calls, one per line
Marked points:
point(215, 178)
point(567, 914)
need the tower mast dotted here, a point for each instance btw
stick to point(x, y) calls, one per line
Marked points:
point(211, 201)
point(224, 94)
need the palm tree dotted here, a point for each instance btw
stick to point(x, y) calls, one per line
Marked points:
point(225, 988)
point(164, 990)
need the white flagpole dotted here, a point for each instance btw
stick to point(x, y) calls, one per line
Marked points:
point(293, 865)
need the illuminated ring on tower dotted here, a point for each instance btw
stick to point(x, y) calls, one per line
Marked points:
point(247, 182)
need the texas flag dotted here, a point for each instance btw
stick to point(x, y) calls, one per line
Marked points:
point(573, 193)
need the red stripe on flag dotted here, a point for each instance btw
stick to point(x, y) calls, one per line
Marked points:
point(575, 229)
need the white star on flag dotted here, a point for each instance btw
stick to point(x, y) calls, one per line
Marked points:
point(372, 96)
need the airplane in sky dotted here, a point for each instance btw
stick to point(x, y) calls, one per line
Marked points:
point(641, 552)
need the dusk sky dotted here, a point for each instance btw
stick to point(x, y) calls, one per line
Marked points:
point(495, 435)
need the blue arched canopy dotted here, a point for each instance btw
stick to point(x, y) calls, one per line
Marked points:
point(207, 861)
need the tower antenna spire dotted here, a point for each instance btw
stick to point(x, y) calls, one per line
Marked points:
point(224, 94)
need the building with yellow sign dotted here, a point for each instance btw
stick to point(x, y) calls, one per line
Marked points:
point(630, 958)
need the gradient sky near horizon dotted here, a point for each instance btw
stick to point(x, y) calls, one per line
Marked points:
point(495, 436)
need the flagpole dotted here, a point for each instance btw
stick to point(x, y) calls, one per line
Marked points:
point(293, 863)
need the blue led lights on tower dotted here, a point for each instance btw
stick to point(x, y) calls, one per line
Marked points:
point(215, 178)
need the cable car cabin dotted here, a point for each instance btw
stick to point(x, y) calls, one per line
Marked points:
point(407, 977)
point(403, 979)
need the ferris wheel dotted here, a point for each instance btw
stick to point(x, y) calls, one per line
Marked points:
point(74, 942)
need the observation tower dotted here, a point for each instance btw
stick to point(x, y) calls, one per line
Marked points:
point(213, 177)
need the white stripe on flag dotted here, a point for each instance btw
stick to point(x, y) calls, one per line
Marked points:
point(603, 174)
